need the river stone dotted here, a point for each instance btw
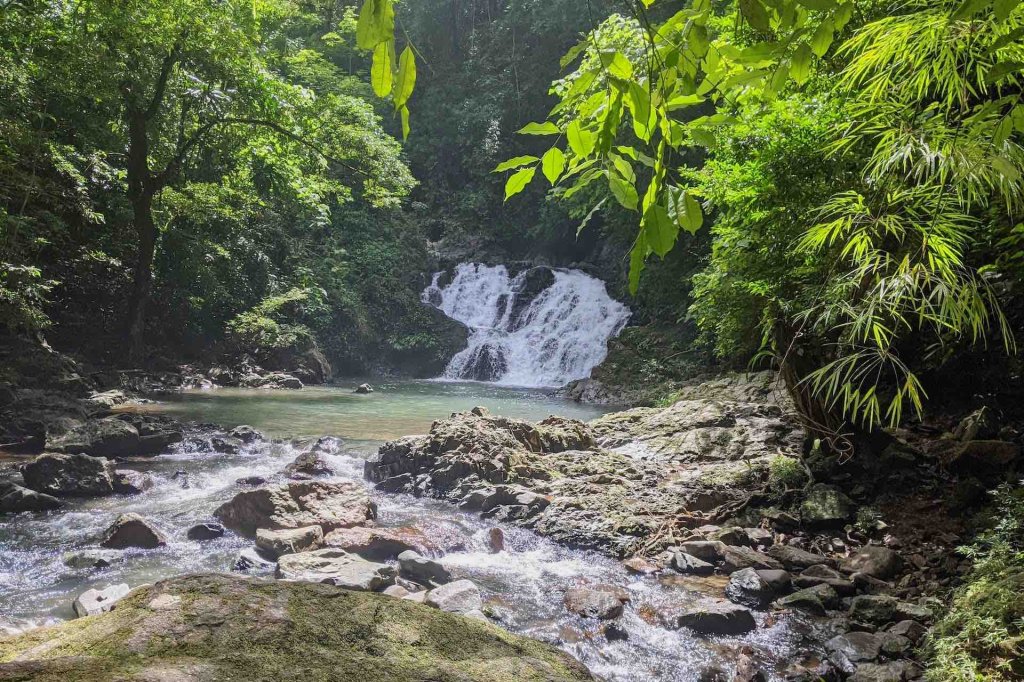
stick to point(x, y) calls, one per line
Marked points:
point(246, 434)
point(878, 562)
point(15, 499)
point(131, 482)
point(736, 558)
point(876, 609)
point(823, 575)
point(687, 563)
point(379, 544)
point(794, 557)
point(131, 530)
point(884, 672)
point(813, 600)
point(906, 610)
point(92, 558)
point(336, 567)
point(603, 602)
point(421, 570)
point(277, 543)
point(110, 437)
point(825, 505)
point(461, 596)
point(717, 618)
point(75, 475)
point(705, 550)
point(224, 627)
point(205, 531)
point(330, 505)
point(93, 602)
point(746, 587)
point(363, 388)
point(310, 463)
point(250, 559)
point(846, 651)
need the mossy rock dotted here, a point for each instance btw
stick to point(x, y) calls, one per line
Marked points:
point(220, 627)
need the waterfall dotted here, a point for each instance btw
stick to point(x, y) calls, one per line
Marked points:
point(543, 327)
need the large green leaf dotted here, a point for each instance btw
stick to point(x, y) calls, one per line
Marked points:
point(616, 64)
point(405, 81)
point(623, 191)
point(800, 68)
point(380, 70)
point(552, 164)
point(755, 14)
point(822, 38)
point(659, 229)
point(545, 128)
point(376, 24)
point(637, 256)
point(581, 140)
point(689, 214)
point(518, 181)
point(514, 162)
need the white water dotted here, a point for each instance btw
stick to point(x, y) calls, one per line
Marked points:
point(558, 336)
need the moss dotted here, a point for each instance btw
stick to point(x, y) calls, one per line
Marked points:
point(231, 628)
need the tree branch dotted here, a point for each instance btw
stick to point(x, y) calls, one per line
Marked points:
point(161, 82)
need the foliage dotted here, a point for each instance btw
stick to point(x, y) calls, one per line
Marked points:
point(981, 637)
point(257, 328)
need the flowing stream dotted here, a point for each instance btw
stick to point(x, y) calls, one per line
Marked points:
point(543, 327)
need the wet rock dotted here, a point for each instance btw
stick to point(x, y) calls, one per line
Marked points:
point(824, 506)
point(883, 672)
point(280, 380)
point(895, 646)
point(747, 587)
point(495, 540)
point(823, 575)
point(603, 602)
point(105, 401)
point(878, 562)
point(759, 537)
point(93, 602)
point(156, 433)
point(92, 558)
point(615, 632)
point(731, 536)
point(310, 463)
point(813, 600)
point(908, 611)
point(251, 560)
point(638, 564)
point(15, 499)
point(794, 557)
point(379, 544)
point(277, 543)
point(205, 531)
point(226, 445)
point(687, 563)
point(421, 570)
point(876, 609)
point(245, 434)
point(330, 505)
point(131, 482)
point(251, 481)
point(717, 618)
point(736, 558)
point(984, 453)
point(110, 437)
point(363, 389)
point(336, 567)
point(131, 530)
point(705, 550)
point(461, 596)
point(853, 648)
point(910, 629)
point(75, 475)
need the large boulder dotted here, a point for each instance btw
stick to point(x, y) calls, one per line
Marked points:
point(330, 505)
point(336, 567)
point(131, 530)
point(826, 505)
point(15, 499)
point(77, 475)
point(878, 562)
point(277, 543)
point(109, 437)
point(310, 463)
point(461, 596)
point(756, 588)
point(222, 627)
point(131, 482)
point(603, 602)
point(380, 544)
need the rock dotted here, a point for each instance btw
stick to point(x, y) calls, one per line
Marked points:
point(895, 646)
point(363, 388)
point(460, 596)
point(246, 434)
point(336, 567)
point(280, 380)
point(812, 600)
point(105, 401)
point(908, 611)
point(735, 558)
point(92, 558)
point(495, 540)
point(717, 618)
point(422, 570)
point(794, 557)
point(848, 650)
point(337, 504)
point(75, 475)
point(748, 588)
point(759, 537)
point(223, 627)
point(603, 602)
point(310, 463)
point(226, 445)
point(878, 562)
point(876, 609)
point(910, 629)
point(93, 602)
point(379, 544)
point(687, 563)
point(251, 481)
point(731, 536)
point(15, 499)
point(824, 506)
point(985, 453)
point(205, 531)
point(131, 482)
point(823, 575)
point(705, 550)
point(110, 437)
point(638, 564)
point(883, 672)
point(980, 424)
point(417, 597)
point(396, 591)
point(277, 543)
point(614, 632)
point(251, 560)
point(131, 530)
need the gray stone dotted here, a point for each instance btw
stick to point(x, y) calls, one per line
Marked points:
point(735, 558)
point(814, 600)
point(794, 557)
point(311, 464)
point(246, 434)
point(205, 531)
point(330, 505)
point(910, 629)
point(826, 505)
point(461, 596)
point(15, 499)
point(878, 562)
point(109, 437)
point(687, 563)
point(875, 609)
point(92, 558)
point(277, 543)
point(853, 648)
point(823, 575)
point(705, 550)
point(336, 567)
point(422, 570)
point(717, 618)
point(363, 388)
point(883, 672)
point(75, 475)
point(907, 611)
point(131, 482)
point(251, 560)
point(93, 601)
point(603, 602)
point(748, 588)
point(131, 530)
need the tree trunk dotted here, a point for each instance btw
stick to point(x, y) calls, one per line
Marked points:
point(141, 190)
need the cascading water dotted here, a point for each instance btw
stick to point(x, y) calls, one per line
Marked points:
point(541, 328)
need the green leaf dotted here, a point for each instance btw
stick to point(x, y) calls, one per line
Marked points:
point(822, 38)
point(617, 65)
point(405, 81)
point(800, 68)
point(380, 70)
point(518, 181)
point(639, 102)
point(689, 215)
point(404, 111)
point(637, 256)
point(553, 164)
point(580, 139)
point(681, 101)
point(376, 24)
point(574, 52)
point(755, 14)
point(1002, 69)
point(818, 5)
point(659, 230)
point(545, 128)
point(1003, 8)
point(624, 192)
point(969, 8)
point(514, 162)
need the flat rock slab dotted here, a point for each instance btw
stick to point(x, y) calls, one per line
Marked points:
point(93, 602)
point(603, 602)
point(380, 544)
point(222, 627)
point(330, 505)
point(289, 540)
point(336, 567)
point(461, 596)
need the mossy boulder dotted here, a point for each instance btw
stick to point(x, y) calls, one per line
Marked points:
point(219, 627)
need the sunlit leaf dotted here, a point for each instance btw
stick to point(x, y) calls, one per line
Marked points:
point(552, 164)
point(518, 181)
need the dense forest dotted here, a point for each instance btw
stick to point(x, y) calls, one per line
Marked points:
point(827, 189)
